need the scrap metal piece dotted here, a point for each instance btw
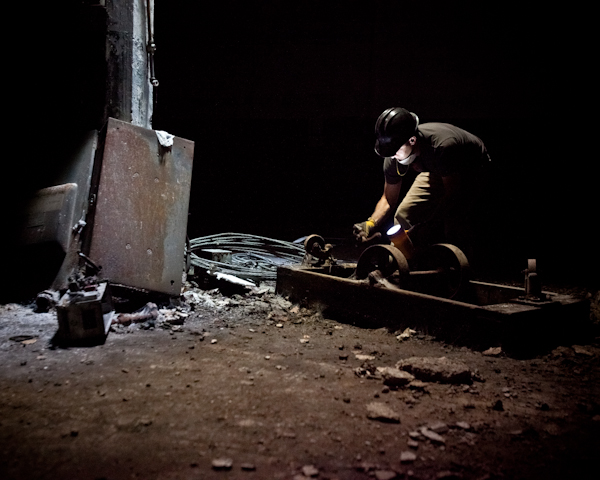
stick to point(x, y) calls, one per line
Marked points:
point(141, 208)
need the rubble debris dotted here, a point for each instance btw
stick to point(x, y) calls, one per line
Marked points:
point(579, 350)
point(147, 312)
point(23, 338)
point(448, 475)
point(394, 377)
point(492, 352)
point(46, 300)
point(150, 317)
point(438, 427)
point(310, 471)
point(280, 302)
point(222, 463)
point(416, 435)
point(406, 334)
point(173, 316)
point(363, 466)
point(407, 456)
point(561, 351)
point(385, 475)
point(367, 370)
point(431, 435)
point(197, 297)
point(440, 370)
point(381, 412)
point(362, 357)
point(418, 385)
point(412, 444)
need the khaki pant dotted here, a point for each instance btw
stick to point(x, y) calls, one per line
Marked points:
point(456, 226)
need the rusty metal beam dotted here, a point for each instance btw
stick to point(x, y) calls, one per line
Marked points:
point(492, 316)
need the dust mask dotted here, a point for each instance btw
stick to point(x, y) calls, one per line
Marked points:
point(408, 160)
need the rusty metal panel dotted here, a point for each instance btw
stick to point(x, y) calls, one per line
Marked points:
point(140, 218)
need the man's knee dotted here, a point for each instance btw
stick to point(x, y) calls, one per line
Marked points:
point(401, 218)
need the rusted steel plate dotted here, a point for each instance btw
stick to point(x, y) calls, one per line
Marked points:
point(142, 201)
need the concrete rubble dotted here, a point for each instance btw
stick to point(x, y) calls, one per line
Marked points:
point(222, 463)
point(394, 377)
point(440, 370)
point(383, 413)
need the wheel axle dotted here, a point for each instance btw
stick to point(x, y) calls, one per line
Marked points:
point(444, 269)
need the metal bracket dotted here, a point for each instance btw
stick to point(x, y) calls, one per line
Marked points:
point(533, 285)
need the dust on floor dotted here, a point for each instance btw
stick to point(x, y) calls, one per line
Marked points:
point(249, 386)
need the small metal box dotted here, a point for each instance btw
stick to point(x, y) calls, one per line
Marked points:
point(84, 316)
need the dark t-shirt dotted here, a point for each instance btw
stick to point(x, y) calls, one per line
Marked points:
point(444, 150)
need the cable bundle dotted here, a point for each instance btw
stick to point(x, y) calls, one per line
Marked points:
point(254, 257)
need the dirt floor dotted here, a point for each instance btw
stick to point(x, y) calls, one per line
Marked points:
point(250, 386)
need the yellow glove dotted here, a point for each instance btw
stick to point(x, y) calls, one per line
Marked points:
point(362, 231)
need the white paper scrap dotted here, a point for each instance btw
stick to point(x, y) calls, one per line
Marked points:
point(164, 138)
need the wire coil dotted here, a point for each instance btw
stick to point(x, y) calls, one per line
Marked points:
point(254, 258)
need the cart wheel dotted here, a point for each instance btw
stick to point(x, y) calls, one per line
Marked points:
point(385, 258)
point(314, 245)
point(453, 267)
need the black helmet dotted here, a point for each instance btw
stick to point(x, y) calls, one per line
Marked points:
point(393, 129)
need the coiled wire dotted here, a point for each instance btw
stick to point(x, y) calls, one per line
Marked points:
point(253, 258)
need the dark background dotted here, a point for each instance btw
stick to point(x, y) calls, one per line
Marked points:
point(281, 97)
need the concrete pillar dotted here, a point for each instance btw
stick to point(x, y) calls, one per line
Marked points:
point(129, 91)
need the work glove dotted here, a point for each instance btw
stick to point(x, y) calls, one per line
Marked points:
point(364, 231)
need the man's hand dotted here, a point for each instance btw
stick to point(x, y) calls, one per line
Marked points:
point(364, 231)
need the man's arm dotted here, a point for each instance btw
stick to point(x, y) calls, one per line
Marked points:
point(389, 200)
point(391, 193)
